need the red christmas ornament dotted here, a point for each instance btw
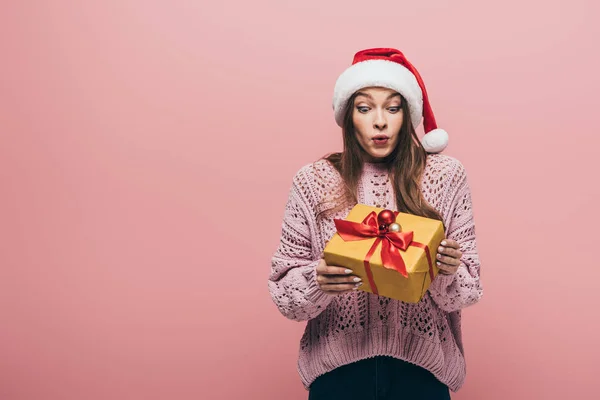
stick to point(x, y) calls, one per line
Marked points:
point(386, 217)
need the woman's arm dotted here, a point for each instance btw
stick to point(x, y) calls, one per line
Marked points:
point(462, 289)
point(292, 281)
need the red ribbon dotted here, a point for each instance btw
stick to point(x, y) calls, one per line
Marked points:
point(392, 243)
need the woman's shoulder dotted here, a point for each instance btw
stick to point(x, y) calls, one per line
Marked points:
point(442, 172)
point(442, 161)
point(443, 164)
point(317, 180)
point(316, 172)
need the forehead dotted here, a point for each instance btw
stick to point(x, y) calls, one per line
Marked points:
point(377, 92)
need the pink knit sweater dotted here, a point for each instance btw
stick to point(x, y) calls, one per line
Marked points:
point(346, 328)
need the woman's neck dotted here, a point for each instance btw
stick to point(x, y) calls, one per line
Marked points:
point(369, 166)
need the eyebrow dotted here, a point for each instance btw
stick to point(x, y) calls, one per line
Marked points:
point(371, 97)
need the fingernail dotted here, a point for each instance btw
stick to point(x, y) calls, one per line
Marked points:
point(440, 248)
point(348, 271)
point(439, 256)
point(443, 242)
point(438, 263)
point(357, 279)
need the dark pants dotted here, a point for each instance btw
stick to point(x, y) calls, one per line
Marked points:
point(378, 378)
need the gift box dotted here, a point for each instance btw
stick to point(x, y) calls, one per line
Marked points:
point(393, 252)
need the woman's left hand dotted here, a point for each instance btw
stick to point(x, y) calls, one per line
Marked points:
point(448, 257)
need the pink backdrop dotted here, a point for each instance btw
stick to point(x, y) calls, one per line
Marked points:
point(139, 140)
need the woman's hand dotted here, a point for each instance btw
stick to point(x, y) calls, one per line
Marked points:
point(448, 257)
point(336, 280)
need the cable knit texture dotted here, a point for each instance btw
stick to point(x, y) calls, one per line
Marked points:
point(346, 328)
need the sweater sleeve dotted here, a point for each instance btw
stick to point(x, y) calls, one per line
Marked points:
point(292, 281)
point(462, 289)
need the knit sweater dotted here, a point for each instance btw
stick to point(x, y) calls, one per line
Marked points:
point(349, 327)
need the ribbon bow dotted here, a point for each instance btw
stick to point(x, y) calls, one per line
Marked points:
point(392, 242)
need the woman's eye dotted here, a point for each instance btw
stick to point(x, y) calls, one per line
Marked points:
point(362, 109)
point(394, 109)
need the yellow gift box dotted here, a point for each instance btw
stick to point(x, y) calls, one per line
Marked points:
point(392, 252)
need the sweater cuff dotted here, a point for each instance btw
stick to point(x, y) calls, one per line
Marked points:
point(314, 294)
point(442, 281)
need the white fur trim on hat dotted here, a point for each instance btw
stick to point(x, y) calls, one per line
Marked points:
point(435, 141)
point(381, 73)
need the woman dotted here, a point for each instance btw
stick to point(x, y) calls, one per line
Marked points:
point(358, 345)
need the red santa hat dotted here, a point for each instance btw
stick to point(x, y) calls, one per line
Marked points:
point(387, 67)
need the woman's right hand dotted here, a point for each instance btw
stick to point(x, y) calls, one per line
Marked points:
point(336, 280)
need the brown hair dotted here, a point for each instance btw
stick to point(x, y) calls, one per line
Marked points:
point(405, 164)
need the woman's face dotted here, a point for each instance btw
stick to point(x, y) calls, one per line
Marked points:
point(377, 117)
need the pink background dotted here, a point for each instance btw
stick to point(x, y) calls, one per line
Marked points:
point(141, 140)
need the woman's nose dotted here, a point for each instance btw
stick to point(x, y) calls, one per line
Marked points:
point(380, 123)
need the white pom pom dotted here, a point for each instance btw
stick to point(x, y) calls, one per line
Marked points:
point(435, 141)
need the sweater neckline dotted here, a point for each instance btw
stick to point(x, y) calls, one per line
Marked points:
point(374, 167)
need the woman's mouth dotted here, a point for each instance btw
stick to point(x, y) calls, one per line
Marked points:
point(380, 140)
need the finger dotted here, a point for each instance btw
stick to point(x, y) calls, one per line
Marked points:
point(450, 243)
point(448, 260)
point(339, 287)
point(447, 269)
point(337, 279)
point(450, 252)
point(324, 269)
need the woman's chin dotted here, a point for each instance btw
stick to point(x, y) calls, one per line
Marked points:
point(377, 155)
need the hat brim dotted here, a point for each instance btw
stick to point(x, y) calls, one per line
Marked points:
point(379, 73)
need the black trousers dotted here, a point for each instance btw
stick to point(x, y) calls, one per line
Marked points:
point(379, 378)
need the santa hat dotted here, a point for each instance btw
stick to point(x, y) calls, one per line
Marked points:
point(386, 67)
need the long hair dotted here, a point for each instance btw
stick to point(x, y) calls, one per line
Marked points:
point(405, 164)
